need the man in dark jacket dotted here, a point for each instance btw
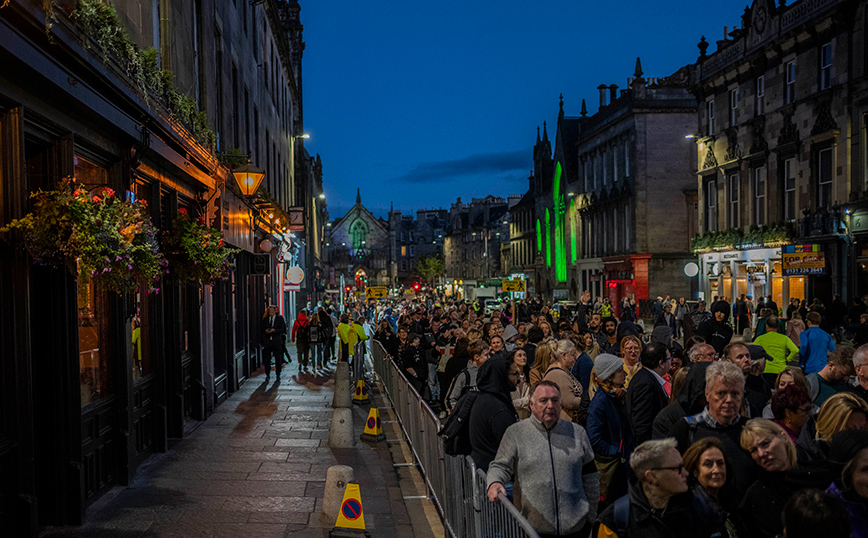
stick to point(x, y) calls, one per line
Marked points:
point(273, 330)
point(492, 412)
point(645, 395)
point(716, 331)
point(659, 503)
point(689, 401)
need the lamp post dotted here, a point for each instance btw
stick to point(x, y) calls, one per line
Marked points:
point(248, 178)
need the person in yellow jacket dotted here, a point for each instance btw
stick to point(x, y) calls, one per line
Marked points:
point(348, 337)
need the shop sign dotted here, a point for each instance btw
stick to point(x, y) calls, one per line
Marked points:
point(804, 260)
point(859, 221)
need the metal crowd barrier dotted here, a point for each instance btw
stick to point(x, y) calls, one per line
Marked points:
point(455, 484)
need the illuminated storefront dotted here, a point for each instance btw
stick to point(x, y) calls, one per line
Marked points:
point(756, 272)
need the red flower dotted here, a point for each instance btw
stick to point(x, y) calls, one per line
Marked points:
point(96, 199)
point(201, 220)
point(108, 192)
point(77, 192)
point(182, 211)
point(220, 243)
point(143, 202)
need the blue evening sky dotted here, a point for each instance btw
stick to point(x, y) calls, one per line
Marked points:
point(419, 102)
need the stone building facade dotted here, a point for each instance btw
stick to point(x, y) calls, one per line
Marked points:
point(781, 151)
point(473, 245)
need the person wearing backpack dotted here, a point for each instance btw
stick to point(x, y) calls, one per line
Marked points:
point(315, 341)
point(660, 502)
point(327, 334)
point(492, 411)
point(300, 335)
point(466, 380)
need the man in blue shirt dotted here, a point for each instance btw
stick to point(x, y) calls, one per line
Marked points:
point(815, 342)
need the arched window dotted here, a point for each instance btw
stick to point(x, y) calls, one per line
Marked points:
point(359, 235)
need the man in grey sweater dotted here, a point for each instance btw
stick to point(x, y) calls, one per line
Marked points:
point(553, 462)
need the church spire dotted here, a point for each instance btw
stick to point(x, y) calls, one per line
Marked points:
point(537, 134)
point(584, 109)
point(358, 196)
point(561, 111)
point(545, 134)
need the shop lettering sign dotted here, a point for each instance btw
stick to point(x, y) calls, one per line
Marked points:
point(804, 260)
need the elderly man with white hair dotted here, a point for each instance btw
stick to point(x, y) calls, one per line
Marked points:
point(721, 418)
point(860, 363)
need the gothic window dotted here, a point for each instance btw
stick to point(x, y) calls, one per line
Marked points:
point(359, 234)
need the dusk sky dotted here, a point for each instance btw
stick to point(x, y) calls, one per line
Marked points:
point(418, 103)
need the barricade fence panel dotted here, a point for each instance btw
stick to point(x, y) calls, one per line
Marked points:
point(457, 487)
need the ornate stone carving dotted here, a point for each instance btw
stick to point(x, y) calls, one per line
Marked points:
point(825, 121)
point(789, 131)
point(758, 144)
point(710, 159)
point(732, 150)
point(682, 78)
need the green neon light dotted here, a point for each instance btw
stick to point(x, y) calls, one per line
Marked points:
point(548, 238)
point(574, 254)
point(539, 238)
point(559, 228)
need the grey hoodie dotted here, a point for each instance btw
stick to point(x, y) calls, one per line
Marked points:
point(560, 486)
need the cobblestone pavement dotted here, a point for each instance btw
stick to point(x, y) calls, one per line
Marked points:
point(257, 468)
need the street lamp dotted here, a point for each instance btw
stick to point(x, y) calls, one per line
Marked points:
point(322, 196)
point(248, 178)
point(304, 136)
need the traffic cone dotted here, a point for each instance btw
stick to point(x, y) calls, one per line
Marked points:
point(351, 518)
point(373, 427)
point(361, 395)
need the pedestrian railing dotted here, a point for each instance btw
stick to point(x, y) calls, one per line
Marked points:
point(455, 484)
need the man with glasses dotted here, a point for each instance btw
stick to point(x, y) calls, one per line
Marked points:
point(660, 502)
point(702, 353)
point(721, 418)
point(860, 364)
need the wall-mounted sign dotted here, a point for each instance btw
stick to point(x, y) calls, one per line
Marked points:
point(804, 260)
point(295, 274)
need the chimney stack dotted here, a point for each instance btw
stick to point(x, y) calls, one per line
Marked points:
point(613, 93)
point(602, 88)
point(725, 33)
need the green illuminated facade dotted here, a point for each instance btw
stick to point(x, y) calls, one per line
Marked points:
point(559, 226)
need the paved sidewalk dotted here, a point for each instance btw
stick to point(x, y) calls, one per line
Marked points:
point(257, 468)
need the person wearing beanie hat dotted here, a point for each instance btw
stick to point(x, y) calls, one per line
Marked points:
point(850, 451)
point(716, 331)
point(608, 430)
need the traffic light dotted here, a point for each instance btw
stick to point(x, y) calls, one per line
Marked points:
point(261, 264)
point(416, 287)
point(347, 289)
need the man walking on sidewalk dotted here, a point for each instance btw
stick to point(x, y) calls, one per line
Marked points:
point(274, 339)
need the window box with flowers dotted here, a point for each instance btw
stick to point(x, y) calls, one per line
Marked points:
point(93, 232)
point(196, 252)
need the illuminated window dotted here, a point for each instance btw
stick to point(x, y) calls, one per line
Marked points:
point(403, 251)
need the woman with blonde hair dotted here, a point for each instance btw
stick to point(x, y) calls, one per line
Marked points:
point(631, 349)
point(843, 411)
point(546, 329)
point(564, 354)
point(541, 361)
point(772, 449)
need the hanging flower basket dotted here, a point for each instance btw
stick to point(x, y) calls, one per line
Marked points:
point(196, 252)
point(93, 232)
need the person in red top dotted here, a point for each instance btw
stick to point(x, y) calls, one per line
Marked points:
point(302, 344)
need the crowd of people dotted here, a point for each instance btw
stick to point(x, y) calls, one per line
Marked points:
point(692, 422)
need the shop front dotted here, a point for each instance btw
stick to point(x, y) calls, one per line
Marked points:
point(757, 272)
point(626, 277)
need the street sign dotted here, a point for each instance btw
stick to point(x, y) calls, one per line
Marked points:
point(295, 274)
point(376, 292)
point(513, 285)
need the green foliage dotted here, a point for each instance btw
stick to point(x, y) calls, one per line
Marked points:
point(93, 232)
point(234, 158)
point(429, 266)
point(780, 232)
point(99, 21)
point(196, 252)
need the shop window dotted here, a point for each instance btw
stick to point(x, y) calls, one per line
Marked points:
point(759, 101)
point(824, 178)
point(789, 191)
point(710, 206)
point(734, 220)
point(94, 366)
point(797, 287)
point(759, 195)
point(790, 83)
point(89, 173)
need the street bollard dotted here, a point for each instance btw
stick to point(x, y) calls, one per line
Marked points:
point(337, 478)
point(341, 430)
point(343, 395)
